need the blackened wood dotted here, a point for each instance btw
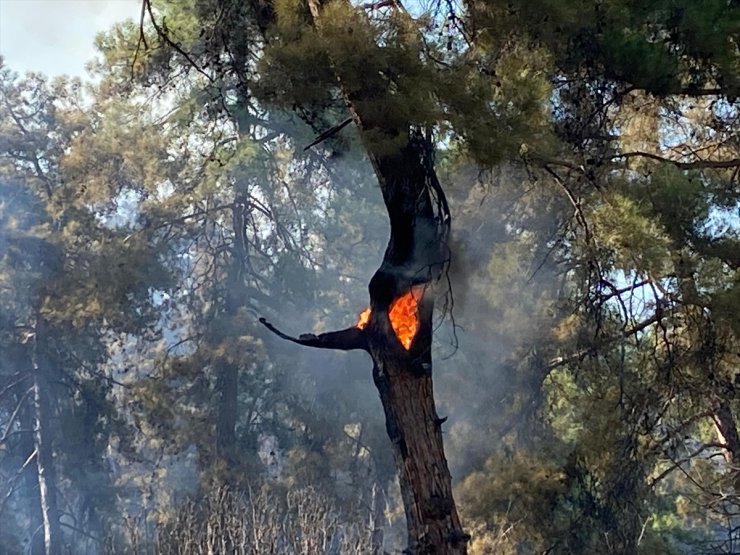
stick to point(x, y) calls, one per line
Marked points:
point(417, 254)
point(342, 340)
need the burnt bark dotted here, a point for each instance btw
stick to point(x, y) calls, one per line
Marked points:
point(416, 257)
point(416, 254)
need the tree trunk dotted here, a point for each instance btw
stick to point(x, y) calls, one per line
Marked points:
point(227, 372)
point(27, 446)
point(727, 433)
point(414, 260)
point(415, 433)
point(416, 257)
point(43, 444)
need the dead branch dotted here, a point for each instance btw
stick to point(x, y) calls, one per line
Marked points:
point(329, 132)
point(342, 340)
point(695, 165)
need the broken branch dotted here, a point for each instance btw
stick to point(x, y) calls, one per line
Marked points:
point(342, 340)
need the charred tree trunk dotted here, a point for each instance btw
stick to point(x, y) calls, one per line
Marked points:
point(43, 443)
point(414, 260)
point(417, 256)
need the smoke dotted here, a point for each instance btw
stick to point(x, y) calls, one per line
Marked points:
point(504, 289)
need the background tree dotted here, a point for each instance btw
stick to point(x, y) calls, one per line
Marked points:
point(67, 279)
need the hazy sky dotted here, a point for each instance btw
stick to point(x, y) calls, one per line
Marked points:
point(56, 36)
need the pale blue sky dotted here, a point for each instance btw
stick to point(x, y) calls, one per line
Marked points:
point(56, 36)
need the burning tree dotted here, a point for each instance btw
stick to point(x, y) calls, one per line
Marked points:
point(319, 59)
point(397, 333)
point(397, 328)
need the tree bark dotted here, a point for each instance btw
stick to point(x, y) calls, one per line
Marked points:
point(27, 446)
point(415, 254)
point(727, 432)
point(414, 429)
point(43, 443)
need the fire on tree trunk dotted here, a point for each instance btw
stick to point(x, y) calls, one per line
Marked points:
point(403, 375)
point(397, 333)
point(416, 258)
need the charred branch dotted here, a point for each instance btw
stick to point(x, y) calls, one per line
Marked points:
point(343, 340)
point(329, 133)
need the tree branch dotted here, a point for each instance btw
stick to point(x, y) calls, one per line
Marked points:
point(162, 33)
point(696, 165)
point(13, 416)
point(11, 482)
point(342, 340)
point(16, 379)
point(329, 132)
point(657, 317)
point(379, 5)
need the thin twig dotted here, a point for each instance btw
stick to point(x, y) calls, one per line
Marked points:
point(142, 38)
point(162, 33)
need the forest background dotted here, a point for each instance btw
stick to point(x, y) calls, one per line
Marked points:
point(588, 367)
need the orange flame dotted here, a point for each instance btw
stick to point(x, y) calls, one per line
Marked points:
point(404, 316)
point(363, 319)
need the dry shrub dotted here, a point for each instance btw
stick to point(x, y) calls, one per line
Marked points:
point(299, 522)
